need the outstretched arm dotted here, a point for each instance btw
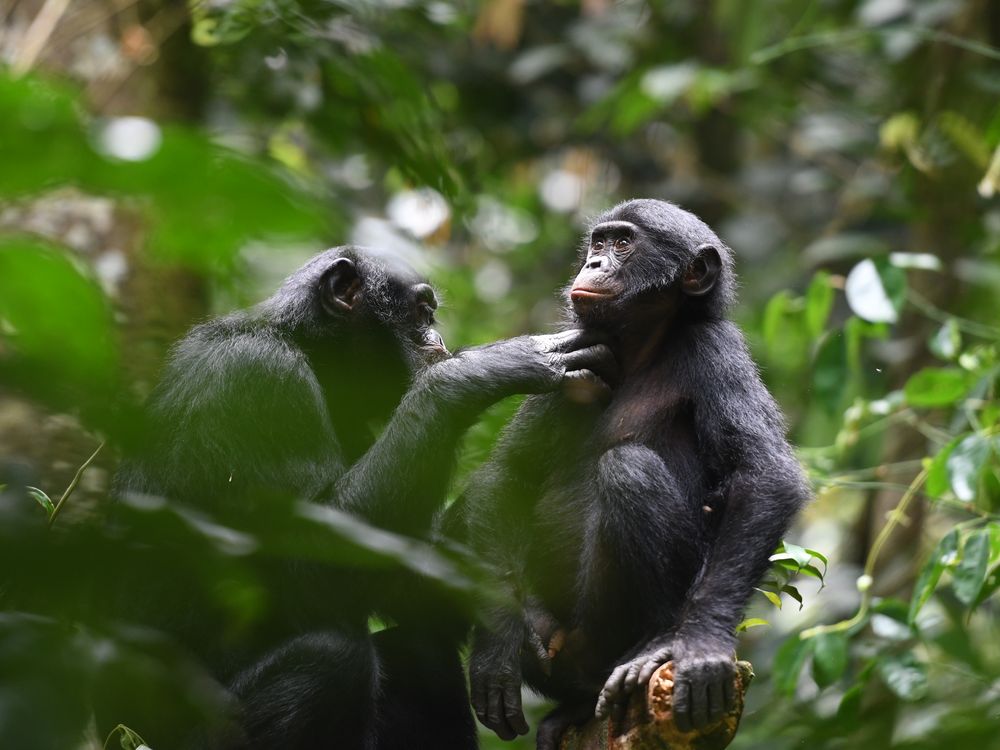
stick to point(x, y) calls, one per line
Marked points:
point(498, 507)
point(402, 479)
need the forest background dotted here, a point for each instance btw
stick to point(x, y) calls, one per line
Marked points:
point(163, 161)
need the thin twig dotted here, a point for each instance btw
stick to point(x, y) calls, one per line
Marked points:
point(73, 484)
point(38, 34)
point(896, 517)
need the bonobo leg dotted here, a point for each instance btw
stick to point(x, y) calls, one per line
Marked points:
point(644, 546)
point(314, 690)
point(423, 702)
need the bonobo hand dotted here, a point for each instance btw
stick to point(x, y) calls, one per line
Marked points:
point(538, 364)
point(704, 671)
point(495, 681)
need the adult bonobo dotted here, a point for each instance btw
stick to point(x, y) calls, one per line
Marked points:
point(281, 399)
point(635, 530)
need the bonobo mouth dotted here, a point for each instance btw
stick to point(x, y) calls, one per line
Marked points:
point(585, 294)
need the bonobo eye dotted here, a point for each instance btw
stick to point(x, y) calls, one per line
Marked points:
point(599, 245)
point(622, 244)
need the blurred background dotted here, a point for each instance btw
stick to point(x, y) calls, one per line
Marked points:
point(162, 161)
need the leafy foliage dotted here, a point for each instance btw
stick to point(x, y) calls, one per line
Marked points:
point(848, 151)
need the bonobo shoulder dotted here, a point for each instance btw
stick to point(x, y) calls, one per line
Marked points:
point(238, 362)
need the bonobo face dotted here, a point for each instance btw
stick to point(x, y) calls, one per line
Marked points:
point(361, 306)
point(647, 260)
point(363, 291)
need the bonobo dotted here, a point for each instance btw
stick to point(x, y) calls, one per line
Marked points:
point(634, 532)
point(280, 400)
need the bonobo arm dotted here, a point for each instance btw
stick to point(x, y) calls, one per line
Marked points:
point(498, 506)
point(402, 479)
point(742, 432)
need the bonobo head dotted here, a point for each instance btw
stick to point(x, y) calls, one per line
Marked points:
point(647, 260)
point(361, 307)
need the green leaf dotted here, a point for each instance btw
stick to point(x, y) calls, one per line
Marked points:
point(831, 374)
point(793, 552)
point(819, 302)
point(875, 290)
point(938, 482)
point(58, 329)
point(936, 386)
point(794, 593)
point(830, 657)
point(990, 587)
point(752, 622)
point(819, 555)
point(42, 499)
point(947, 342)
point(771, 597)
point(965, 464)
point(788, 663)
point(970, 574)
point(930, 574)
point(904, 675)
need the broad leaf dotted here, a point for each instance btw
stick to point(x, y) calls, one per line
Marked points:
point(830, 657)
point(936, 386)
point(904, 675)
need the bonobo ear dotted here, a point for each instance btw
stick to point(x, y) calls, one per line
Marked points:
point(702, 272)
point(340, 286)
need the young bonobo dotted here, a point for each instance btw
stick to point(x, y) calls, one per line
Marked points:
point(279, 401)
point(634, 531)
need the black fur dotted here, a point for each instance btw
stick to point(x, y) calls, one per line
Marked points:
point(280, 401)
point(638, 529)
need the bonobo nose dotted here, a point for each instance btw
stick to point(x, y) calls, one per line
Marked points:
point(595, 263)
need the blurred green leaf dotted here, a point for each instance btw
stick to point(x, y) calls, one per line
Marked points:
point(830, 657)
point(56, 322)
point(938, 481)
point(965, 465)
point(904, 675)
point(942, 556)
point(42, 499)
point(788, 663)
point(819, 302)
point(969, 575)
point(947, 342)
point(936, 386)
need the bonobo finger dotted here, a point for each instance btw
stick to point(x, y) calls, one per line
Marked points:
point(495, 715)
point(567, 341)
point(632, 677)
point(512, 709)
point(584, 387)
point(716, 701)
point(597, 358)
point(728, 693)
point(682, 705)
point(699, 703)
point(612, 689)
point(646, 673)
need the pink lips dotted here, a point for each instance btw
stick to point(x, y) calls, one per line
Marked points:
point(582, 293)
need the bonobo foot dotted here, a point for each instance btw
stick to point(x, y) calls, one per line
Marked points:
point(704, 670)
point(552, 728)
